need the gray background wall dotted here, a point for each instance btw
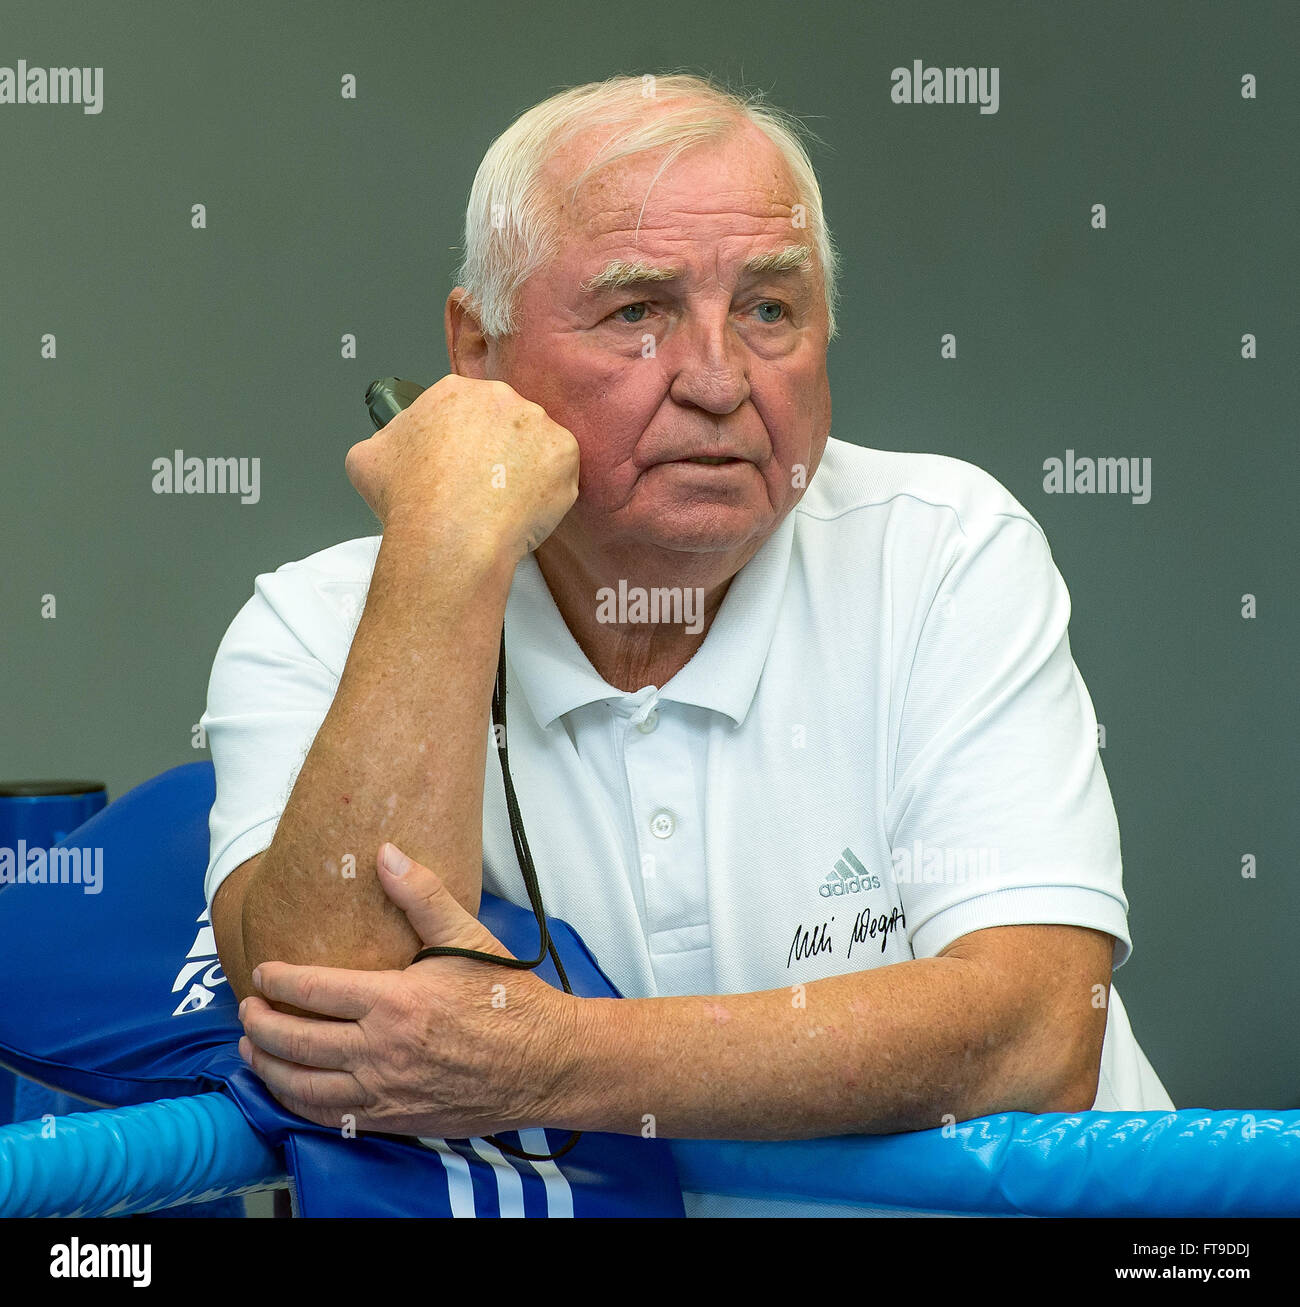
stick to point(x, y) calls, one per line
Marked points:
point(329, 216)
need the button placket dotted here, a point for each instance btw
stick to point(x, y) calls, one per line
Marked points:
point(661, 784)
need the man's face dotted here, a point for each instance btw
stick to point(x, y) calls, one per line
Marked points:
point(716, 361)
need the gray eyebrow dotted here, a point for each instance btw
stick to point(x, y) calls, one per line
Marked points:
point(626, 272)
point(783, 260)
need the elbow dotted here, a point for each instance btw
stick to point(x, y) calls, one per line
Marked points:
point(1078, 1098)
point(309, 937)
point(1075, 1088)
point(313, 951)
point(379, 950)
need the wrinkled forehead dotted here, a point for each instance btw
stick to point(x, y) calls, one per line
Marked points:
point(744, 170)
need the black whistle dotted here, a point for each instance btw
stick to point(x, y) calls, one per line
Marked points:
point(388, 396)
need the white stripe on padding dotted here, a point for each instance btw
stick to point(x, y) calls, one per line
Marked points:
point(510, 1184)
point(559, 1197)
point(460, 1188)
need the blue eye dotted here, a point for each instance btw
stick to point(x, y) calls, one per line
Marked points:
point(641, 309)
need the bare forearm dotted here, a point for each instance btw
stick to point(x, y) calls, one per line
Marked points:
point(899, 1048)
point(400, 756)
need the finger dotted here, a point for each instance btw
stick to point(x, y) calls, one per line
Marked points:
point(430, 907)
point(331, 991)
point(333, 1045)
point(320, 1091)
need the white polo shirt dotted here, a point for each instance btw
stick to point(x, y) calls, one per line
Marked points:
point(883, 744)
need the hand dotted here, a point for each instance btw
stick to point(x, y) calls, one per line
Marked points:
point(451, 1047)
point(475, 454)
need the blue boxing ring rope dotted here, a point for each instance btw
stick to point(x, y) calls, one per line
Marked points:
point(188, 1123)
point(1088, 1164)
point(132, 1160)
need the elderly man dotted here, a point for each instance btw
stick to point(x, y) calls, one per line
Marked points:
point(798, 739)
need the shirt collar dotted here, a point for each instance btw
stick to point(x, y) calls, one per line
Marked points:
point(547, 665)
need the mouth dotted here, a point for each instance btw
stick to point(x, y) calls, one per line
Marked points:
point(710, 461)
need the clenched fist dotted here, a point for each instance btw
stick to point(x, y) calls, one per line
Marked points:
point(473, 455)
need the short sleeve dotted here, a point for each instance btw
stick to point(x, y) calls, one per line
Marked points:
point(999, 812)
point(267, 697)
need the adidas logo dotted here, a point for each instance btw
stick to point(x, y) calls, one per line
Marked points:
point(849, 877)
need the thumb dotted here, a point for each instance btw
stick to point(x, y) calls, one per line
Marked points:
point(430, 907)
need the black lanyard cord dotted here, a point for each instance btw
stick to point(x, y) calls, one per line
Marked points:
point(529, 873)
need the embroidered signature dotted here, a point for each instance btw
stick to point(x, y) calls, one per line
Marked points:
point(866, 926)
point(809, 943)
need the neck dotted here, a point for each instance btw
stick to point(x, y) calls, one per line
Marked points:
point(630, 634)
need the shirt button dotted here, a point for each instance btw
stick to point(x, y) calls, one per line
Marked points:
point(662, 824)
point(651, 721)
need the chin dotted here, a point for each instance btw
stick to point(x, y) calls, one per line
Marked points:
point(700, 537)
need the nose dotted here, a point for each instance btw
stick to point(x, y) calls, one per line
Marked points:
point(709, 366)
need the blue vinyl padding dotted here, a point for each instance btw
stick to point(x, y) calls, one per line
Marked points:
point(119, 998)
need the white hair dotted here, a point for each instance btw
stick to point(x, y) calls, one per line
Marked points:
point(511, 223)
